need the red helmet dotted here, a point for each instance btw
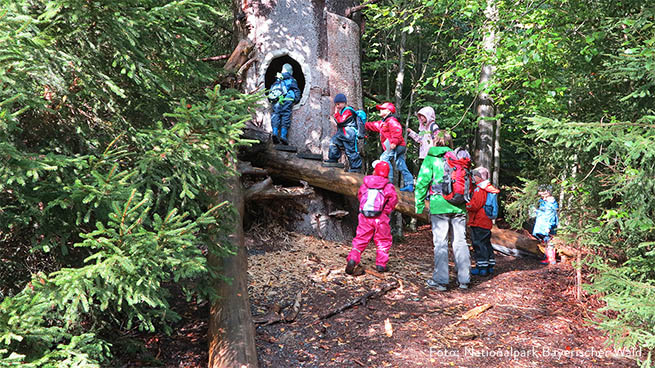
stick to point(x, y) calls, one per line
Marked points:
point(382, 169)
point(387, 106)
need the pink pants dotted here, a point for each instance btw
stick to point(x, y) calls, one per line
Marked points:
point(372, 227)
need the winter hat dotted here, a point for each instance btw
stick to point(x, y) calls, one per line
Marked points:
point(482, 173)
point(287, 68)
point(381, 168)
point(340, 98)
point(386, 106)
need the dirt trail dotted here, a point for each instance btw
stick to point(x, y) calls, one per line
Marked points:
point(532, 318)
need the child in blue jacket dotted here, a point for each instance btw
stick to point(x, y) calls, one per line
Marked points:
point(546, 222)
point(284, 93)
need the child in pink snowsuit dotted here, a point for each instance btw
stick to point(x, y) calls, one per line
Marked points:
point(377, 198)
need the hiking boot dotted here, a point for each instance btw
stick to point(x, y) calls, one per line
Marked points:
point(475, 270)
point(275, 139)
point(407, 188)
point(463, 286)
point(479, 271)
point(435, 285)
point(284, 141)
point(381, 268)
point(490, 269)
point(350, 267)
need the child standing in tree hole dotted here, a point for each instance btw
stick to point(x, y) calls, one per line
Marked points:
point(377, 198)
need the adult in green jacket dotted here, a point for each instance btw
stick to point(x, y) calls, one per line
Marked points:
point(444, 217)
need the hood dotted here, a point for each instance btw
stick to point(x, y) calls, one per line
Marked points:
point(486, 185)
point(375, 182)
point(438, 151)
point(429, 114)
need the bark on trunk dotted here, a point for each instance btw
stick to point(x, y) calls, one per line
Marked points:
point(397, 220)
point(496, 172)
point(231, 330)
point(485, 108)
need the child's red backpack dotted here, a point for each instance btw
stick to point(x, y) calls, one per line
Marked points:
point(372, 202)
point(457, 185)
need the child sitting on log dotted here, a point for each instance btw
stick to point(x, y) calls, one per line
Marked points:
point(377, 198)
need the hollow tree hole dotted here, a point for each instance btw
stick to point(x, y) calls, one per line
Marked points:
point(276, 67)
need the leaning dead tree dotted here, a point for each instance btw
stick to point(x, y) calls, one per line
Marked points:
point(231, 330)
point(288, 165)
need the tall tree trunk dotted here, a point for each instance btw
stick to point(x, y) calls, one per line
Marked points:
point(485, 108)
point(231, 330)
point(400, 77)
point(496, 172)
point(397, 224)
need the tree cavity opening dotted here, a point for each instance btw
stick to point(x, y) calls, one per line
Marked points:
point(276, 67)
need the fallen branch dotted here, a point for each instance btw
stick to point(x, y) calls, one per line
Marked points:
point(245, 66)
point(245, 168)
point(375, 273)
point(272, 316)
point(362, 299)
point(473, 313)
point(295, 309)
point(265, 190)
point(258, 188)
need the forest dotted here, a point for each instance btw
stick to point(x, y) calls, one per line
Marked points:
point(121, 123)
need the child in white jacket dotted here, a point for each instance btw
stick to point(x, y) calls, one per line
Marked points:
point(427, 126)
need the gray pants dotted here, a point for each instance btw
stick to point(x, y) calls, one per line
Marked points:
point(441, 224)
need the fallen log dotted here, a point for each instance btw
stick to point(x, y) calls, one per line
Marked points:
point(362, 299)
point(288, 165)
point(517, 244)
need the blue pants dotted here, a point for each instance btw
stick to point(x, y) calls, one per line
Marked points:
point(345, 139)
point(397, 154)
point(281, 118)
point(484, 252)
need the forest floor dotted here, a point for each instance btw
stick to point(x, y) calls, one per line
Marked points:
point(527, 313)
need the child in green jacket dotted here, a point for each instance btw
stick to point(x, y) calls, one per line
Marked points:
point(443, 217)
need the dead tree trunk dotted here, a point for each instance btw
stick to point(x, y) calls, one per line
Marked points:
point(231, 330)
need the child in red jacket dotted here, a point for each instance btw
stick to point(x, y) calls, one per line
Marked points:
point(393, 143)
point(377, 198)
point(480, 223)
